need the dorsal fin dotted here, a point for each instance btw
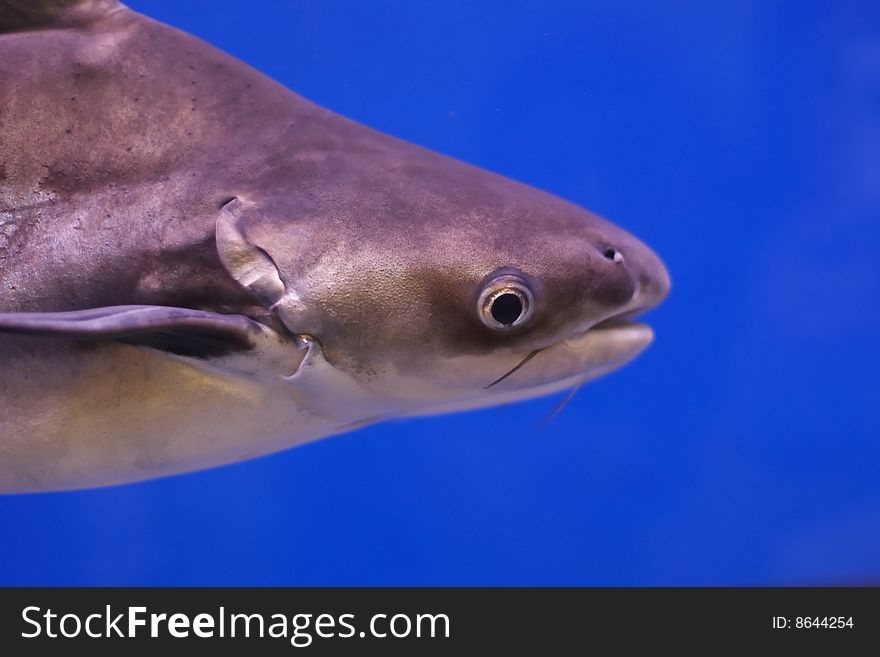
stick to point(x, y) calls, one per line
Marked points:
point(21, 15)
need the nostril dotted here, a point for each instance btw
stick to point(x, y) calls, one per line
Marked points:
point(612, 254)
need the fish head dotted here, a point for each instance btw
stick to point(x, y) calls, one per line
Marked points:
point(418, 283)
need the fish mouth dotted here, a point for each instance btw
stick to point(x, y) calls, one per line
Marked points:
point(605, 346)
point(596, 351)
point(586, 354)
point(564, 365)
point(624, 323)
point(612, 323)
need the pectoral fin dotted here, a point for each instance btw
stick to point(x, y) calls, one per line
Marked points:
point(181, 331)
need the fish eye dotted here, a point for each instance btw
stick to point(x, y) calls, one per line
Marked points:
point(505, 303)
point(612, 254)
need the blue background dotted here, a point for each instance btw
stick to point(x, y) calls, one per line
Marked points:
point(742, 141)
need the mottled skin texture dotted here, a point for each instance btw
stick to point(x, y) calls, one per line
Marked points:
point(120, 141)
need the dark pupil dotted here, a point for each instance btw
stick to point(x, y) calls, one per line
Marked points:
point(507, 308)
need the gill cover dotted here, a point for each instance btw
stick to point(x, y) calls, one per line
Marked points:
point(324, 389)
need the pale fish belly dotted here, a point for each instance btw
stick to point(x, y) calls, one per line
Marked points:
point(76, 415)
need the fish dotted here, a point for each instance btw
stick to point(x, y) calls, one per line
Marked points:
point(198, 266)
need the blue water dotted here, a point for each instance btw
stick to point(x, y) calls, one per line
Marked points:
point(742, 141)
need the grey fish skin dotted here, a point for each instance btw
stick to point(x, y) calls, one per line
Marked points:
point(198, 266)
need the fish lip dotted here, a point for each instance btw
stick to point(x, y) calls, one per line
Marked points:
point(621, 321)
point(619, 324)
point(618, 321)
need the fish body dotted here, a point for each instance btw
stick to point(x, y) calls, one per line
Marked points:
point(198, 266)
